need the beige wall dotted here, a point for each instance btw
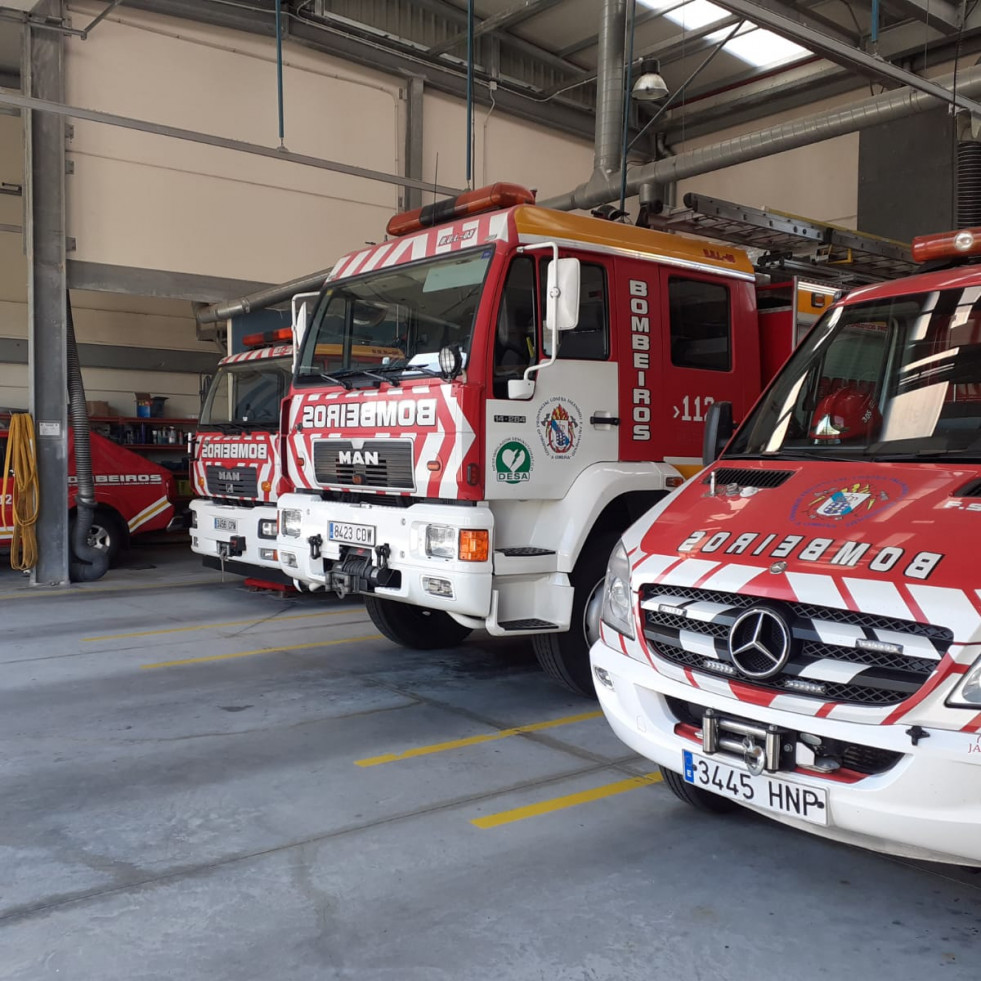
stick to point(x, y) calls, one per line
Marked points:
point(153, 202)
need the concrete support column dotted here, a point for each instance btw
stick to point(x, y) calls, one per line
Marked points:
point(42, 71)
point(412, 196)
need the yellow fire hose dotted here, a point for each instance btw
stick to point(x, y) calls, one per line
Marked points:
point(22, 459)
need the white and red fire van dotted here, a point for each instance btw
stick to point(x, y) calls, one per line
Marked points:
point(797, 630)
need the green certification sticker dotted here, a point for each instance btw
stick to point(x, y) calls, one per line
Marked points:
point(512, 462)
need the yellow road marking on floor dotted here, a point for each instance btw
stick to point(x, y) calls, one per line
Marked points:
point(263, 650)
point(105, 588)
point(570, 800)
point(474, 740)
point(219, 626)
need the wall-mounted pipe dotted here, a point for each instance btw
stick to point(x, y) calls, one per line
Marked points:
point(776, 139)
point(609, 89)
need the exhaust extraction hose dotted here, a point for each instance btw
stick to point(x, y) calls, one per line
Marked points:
point(87, 562)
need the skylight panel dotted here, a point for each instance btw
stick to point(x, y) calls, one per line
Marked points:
point(754, 45)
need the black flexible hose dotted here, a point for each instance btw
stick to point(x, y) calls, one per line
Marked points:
point(87, 562)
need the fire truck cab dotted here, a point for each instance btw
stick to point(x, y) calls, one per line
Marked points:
point(797, 630)
point(235, 458)
point(546, 380)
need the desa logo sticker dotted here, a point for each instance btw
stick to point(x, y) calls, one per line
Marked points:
point(512, 462)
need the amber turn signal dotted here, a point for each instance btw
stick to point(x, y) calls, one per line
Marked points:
point(474, 545)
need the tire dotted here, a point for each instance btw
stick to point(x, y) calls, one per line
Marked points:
point(414, 626)
point(106, 532)
point(565, 657)
point(701, 800)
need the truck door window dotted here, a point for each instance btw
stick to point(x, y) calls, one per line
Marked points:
point(589, 340)
point(700, 324)
point(514, 338)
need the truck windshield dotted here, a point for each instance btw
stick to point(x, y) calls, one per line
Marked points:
point(896, 378)
point(247, 395)
point(394, 321)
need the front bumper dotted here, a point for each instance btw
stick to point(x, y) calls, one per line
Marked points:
point(398, 551)
point(251, 542)
point(926, 806)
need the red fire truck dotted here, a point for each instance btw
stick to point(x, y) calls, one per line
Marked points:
point(235, 470)
point(133, 495)
point(797, 630)
point(550, 378)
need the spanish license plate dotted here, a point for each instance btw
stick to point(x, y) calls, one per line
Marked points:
point(349, 534)
point(226, 524)
point(760, 790)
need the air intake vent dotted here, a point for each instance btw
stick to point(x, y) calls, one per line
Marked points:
point(749, 478)
point(973, 489)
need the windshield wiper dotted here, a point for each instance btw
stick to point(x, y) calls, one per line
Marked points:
point(346, 385)
point(421, 368)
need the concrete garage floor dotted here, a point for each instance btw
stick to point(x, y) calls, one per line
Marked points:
point(183, 795)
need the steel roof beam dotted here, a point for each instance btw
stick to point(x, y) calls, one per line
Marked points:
point(843, 54)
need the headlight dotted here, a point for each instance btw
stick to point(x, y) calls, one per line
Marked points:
point(617, 612)
point(968, 693)
point(290, 521)
point(441, 541)
point(194, 519)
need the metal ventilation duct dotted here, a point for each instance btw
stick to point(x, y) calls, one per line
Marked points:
point(753, 146)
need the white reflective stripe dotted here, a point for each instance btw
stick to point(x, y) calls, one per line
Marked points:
point(377, 256)
point(498, 226)
point(697, 643)
point(796, 704)
point(819, 590)
point(829, 670)
point(948, 608)
point(707, 612)
point(913, 645)
point(689, 572)
point(732, 578)
point(651, 566)
point(881, 598)
point(147, 513)
point(841, 634)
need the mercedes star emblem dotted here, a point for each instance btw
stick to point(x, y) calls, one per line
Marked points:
point(759, 643)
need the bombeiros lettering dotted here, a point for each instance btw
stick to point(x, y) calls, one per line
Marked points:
point(640, 352)
point(375, 414)
point(233, 451)
point(836, 552)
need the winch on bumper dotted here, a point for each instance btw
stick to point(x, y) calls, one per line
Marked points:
point(902, 789)
point(422, 554)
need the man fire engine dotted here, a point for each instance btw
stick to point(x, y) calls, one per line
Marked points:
point(550, 378)
point(235, 458)
point(798, 630)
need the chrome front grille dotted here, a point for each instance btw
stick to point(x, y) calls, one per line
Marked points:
point(378, 464)
point(690, 627)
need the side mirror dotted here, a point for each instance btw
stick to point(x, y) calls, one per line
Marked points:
point(718, 431)
point(562, 295)
point(521, 388)
point(301, 304)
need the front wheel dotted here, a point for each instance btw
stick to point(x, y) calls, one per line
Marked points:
point(414, 626)
point(565, 657)
point(701, 800)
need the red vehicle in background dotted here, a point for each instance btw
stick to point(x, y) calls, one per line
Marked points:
point(133, 495)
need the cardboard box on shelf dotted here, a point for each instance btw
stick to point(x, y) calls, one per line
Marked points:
point(98, 409)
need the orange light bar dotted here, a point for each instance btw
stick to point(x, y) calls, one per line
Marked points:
point(476, 202)
point(963, 242)
point(267, 337)
point(474, 545)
